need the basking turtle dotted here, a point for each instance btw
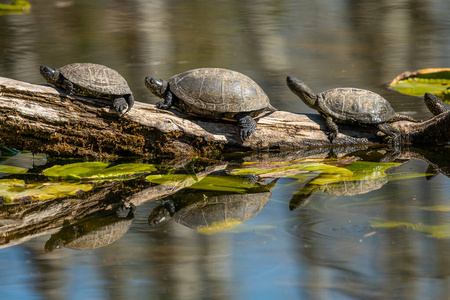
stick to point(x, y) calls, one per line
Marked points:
point(213, 93)
point(92, 80)
point(434, 104)
point(351, 106)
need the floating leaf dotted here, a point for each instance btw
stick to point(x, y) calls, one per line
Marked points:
point(12, 169)
point(16, 191)
point(417, 83)
point(436, 231)
point(17, 6)
point(210, 183)
point(97, 171)
point(224, 184)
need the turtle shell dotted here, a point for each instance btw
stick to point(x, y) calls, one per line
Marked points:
point(213, 90)
point(237, 208)
point(90, 234)
point(97, 78)
point(355, 106)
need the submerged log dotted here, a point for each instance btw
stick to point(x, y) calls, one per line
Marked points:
point(41, 118)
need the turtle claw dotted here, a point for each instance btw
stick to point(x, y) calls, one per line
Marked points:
point(120, 105)
point(162, 105)
point(245, 132)
point(125, 210)
point(247, 126)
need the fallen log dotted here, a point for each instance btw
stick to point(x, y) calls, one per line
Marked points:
point(42, 119)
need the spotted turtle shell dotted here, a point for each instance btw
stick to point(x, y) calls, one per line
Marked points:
point(355, 106)
point(210, 91)
point(97, 78)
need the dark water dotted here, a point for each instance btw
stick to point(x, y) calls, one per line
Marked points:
point(330, 248)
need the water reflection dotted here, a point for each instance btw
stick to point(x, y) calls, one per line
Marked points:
point(210, 212)
point(327, 248)
point(90, 233)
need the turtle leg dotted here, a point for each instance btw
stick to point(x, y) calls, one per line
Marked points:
point(392, 134)
point(332, 126)
point(130, 102)
point(246, 125)
point(125, 210)
point(68, 86)
point(168, 101)
point(120, 105)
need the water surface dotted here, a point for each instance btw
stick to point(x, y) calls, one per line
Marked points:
point(390, 242)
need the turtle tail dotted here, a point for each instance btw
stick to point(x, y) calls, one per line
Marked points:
point(270, 108)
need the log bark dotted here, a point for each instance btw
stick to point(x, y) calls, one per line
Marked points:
point(41, 118)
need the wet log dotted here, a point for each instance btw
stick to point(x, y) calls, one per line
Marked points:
point(41, 118)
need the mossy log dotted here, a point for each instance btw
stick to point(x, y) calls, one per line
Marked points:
point(43, 119)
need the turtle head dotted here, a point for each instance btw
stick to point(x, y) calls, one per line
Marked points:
point(161, 213)
point(156, 86)
point(50, 74)
point(303, 91)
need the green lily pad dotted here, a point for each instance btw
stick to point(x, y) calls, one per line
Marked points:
point(210, 183)
point(97, 171)
point(436, 231)
point(417, 83)
point(16, 191)
point(12, 169)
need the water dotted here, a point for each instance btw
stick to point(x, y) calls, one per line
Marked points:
point(330, 248)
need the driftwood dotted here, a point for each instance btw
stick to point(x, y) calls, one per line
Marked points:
point(41, 118)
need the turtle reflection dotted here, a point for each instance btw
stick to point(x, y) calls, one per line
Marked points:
point(92, 232)
point(211, 210)
point(365, 178)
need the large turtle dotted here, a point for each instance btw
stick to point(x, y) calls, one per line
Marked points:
point(213, 213)
point(92, 80)
point(351, 106)
point(213, 93)
point(209, 210)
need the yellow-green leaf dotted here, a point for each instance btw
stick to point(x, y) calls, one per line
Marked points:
point(417, 83)
point(436, 231)
point(12, 169)
point(14, 191)
point(97, 171)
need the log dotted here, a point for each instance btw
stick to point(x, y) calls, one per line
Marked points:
point(42, 119)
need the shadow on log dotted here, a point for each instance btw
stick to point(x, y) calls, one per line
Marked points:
point(43, 119)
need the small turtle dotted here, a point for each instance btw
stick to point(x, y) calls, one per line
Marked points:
point(434, 104)
point(92, 80)
point(214, 93)
point(351, 106)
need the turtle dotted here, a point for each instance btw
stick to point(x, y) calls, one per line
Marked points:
point(350, 106)
point(92, 80)
point(92, 232)
point(434, 104)
point(208, 210)
point(214, 93)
